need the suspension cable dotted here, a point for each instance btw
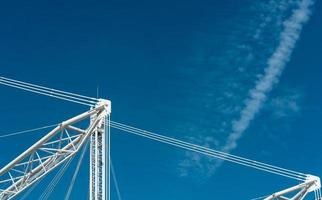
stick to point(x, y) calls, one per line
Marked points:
point(31, 189)
point(117, 188)
point(46, 94)
point(193, 147)
point(171, 139)
point(27, 131)
point(222, 155)
point(71, 186)
point(80, 99)
point(49, 189)
point(50, 89)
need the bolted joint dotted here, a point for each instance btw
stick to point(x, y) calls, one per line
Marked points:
point(314, 181)
point(107, 105)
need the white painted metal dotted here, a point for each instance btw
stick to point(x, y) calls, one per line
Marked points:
point(65, 140)
point(108, 157)
point(100, 156)
point(50, 151)
point(299, 191)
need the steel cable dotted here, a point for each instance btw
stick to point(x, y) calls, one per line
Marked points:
point(71, 185)
point(49, 92)
point(117, 188)
point(49, 189)
point(50, 89)
point(210, 152)
point(27, 131)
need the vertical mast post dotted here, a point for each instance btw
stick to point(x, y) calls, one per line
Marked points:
point(99, 185)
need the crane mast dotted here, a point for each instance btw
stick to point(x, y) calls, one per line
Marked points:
point(100, 159)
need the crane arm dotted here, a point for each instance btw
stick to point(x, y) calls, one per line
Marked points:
point(49, 152)
point(312, 184)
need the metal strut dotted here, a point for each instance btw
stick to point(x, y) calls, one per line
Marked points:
point(55, 148)
point(300, 191)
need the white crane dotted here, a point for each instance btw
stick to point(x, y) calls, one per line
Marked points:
point(64, 141)
point(60, 144)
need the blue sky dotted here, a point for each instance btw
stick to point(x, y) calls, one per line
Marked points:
point(180, 68)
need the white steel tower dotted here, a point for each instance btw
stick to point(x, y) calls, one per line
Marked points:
point(99, 188)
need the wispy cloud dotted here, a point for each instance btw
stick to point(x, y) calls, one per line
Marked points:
point(196, 162)
point(286, 105)
point(227, 100)
point(280, 112)
point(276, 64)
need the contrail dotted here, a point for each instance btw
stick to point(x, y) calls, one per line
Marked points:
point(288, 33)
point(275, 66)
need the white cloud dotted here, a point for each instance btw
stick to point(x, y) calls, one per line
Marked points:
point(194, 162)
point(227, 87)
point(276, 64)
point(285, 105)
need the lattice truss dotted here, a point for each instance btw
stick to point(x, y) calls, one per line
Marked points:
point(98, 162)
point(299, 192)
point(57, 146)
